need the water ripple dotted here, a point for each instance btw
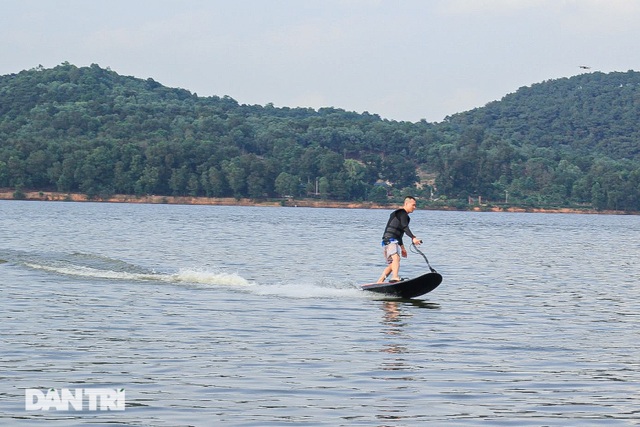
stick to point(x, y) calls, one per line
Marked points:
point(536, 322)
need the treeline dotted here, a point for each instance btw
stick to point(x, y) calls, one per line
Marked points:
point(559, 143)
point(562, 142)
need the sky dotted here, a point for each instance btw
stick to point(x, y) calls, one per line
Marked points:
point(405, 60)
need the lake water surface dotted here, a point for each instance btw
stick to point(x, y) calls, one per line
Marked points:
point(251, 316)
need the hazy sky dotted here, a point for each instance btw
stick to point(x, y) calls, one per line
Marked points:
point(402, 59)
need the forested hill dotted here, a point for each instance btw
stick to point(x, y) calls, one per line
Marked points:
point(559, 143)
point(588, 113)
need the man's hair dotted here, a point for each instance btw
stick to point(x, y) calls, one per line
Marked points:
point(409, 198)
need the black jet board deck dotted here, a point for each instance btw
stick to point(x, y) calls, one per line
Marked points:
point(410, 288)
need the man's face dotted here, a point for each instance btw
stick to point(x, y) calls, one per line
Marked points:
point(410, 205)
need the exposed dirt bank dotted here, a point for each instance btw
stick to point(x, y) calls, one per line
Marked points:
point(6, 194)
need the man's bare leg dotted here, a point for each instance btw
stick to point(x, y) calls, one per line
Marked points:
point(392, 269)
point(384, 275)
point(395, 267)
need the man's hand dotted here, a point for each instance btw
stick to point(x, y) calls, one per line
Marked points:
point(404, 251)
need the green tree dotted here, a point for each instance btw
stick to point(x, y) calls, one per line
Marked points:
point(178, 180)
point(287, 185)
point(598, 197)
point(378, 194)
point(4, 173)
point(324, 187)
point(149, 181)
point(214, 183)
point(235, 174)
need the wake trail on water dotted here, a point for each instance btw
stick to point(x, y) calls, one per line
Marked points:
point(182, 276)
point(301, 290)
point(88, 266)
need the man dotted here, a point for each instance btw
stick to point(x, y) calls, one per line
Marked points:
point(393, 247)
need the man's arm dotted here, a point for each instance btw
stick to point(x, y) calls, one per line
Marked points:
point(404, 224)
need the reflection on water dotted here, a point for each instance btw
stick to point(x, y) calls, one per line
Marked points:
point(394, 322)
point(391, 315)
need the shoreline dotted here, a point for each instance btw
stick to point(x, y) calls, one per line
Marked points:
point(53, 196)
